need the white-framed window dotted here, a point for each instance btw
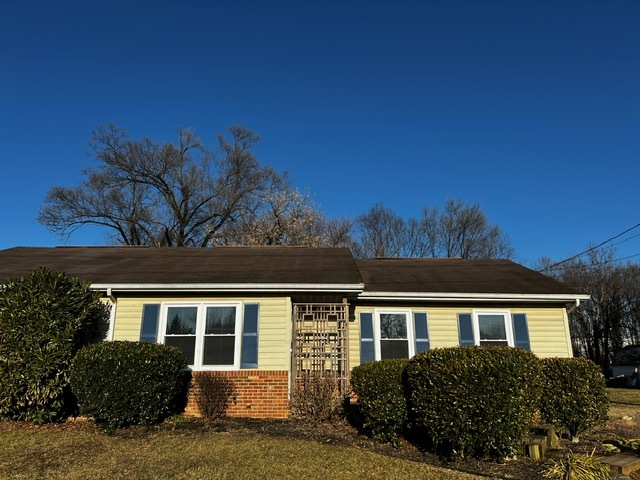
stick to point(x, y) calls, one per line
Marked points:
point(392, 333)
point(209, 333)
point(493, 328)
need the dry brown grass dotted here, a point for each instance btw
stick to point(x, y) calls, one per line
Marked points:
point(249, 449)
point(196, 453)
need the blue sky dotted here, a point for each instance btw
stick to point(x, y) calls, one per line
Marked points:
point(531, 109)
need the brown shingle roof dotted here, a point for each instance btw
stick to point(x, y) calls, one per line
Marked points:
point(220, 265)
point(456, 275)
point(280, 265)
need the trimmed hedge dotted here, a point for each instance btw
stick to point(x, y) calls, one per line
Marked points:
point(575, 395)
point(129, 383)
point(381, 398)
point(473, 401)
point(45, 318)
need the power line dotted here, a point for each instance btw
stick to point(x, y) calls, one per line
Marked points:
point(589, 249)
point(627, 239)
point(605, 262)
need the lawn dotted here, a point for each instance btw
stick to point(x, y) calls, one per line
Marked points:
point(78, 453)
point(241, 449)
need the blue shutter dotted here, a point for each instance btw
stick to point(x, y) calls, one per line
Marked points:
point(465, 329)
point(249, 350)
point(367, 351)
point(150, 317)
point(521, 331)
point(421, 331)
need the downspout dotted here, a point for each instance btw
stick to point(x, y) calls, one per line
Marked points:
point(574, 306)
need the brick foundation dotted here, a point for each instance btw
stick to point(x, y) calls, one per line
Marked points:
point(260, 394)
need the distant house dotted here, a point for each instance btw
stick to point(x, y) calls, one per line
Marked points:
point(625, 361)
point(267, 315)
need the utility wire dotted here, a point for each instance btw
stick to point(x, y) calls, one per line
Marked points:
point(605, 262)
point(589, 249)
point(627, 239)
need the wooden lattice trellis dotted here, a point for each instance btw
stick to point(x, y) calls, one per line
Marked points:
point(320, 341)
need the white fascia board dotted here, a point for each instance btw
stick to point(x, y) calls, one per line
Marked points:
point(477, 297)
point(231, 287)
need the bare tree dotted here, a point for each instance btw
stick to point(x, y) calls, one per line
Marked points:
point(631, 299)
point(337, 232)
point(167, 194)
point(462, 230)
point(610, 320)
point(382, 233)
point(459, 230)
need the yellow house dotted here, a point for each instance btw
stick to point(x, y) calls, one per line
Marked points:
point(267, 315)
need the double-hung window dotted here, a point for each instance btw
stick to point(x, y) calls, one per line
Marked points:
point(392, 333)
point(494, 328)
point(208, 334)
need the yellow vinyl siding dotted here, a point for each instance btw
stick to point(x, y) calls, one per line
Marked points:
point(548, 331)
point(548, 328)
point(274, 335)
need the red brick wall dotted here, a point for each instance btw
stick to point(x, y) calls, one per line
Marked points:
point(260, 394)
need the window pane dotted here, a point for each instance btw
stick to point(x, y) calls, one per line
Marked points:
point(492, 327)
point(181, 320)
point(394, 349)
point(186, 344)
point(221, 320)
point(393, 325)
point(218, 350)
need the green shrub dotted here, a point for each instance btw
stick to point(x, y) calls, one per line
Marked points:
point(381, 400)
point(214, 392)
point(128, 383)
point(575, 395)
point(45, 318)
point(476, 401)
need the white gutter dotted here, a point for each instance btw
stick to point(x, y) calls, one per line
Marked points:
point(479, 297)
point(232, 287)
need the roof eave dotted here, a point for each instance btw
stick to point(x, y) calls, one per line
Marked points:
point(476, 297)
point(230, 287)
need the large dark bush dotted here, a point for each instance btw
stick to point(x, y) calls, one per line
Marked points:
point(128, 383)
point(381, 399)
point(473, 401)
point(575, 395)
point(45, 318)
